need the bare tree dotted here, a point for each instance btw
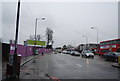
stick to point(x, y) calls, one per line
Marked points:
point(49, 35)
point(38, 37)
point(32, 37)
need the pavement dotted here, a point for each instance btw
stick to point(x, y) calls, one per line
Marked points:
point(24, 60)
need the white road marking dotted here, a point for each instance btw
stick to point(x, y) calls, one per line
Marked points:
point(79, 65)
point(46, 65)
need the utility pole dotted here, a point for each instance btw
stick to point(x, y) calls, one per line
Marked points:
point(97, 30)
point(16, 39)
point(34, 48)
point(86, 41)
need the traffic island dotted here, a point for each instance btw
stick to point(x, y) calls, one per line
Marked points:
point(116, 65)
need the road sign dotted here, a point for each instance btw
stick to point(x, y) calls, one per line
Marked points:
point(32, 42)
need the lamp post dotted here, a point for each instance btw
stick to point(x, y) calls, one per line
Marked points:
point(16, 39)
point(97, 36)
point(97, 32)
point(35, 34)
point(86, 41)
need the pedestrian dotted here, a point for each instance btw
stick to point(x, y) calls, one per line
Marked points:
point(42, 53)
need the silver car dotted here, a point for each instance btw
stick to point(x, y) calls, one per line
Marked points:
point(87, 53)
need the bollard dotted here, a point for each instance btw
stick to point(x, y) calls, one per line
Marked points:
point(118, 60)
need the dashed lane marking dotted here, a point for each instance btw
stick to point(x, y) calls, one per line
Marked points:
point(79, 65)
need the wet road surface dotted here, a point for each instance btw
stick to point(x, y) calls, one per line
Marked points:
point(69, 67)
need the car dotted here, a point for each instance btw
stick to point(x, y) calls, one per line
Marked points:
point(87, 53)
point(68, 52)
point(64, 52)
point(55, 52)
point(75, 53)
point(59, 51)
point(111, 56)
point(72, 53)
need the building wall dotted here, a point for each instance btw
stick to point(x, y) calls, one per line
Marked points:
point(87, 46)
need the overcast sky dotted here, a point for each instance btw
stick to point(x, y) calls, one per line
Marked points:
point(68, 20)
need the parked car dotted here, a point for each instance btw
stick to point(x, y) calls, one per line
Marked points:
point(113, 56)
point(64, 52)
point(75, 53)
point(72, 53)
point(68, 52)
point(55, 52)
point(87, 53)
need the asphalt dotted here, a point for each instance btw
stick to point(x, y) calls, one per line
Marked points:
point(68, 67)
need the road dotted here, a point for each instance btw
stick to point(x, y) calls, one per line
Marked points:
point(65, 66)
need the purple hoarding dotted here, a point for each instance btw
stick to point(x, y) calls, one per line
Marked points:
point(27, 51)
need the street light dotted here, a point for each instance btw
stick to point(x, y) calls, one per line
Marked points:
point(16, 40)
point(86, 41)
point(35, 34)
point(36, 26)
point(97, 32)
point(97, 36)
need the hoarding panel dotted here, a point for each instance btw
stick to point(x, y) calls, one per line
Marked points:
point(32, 42)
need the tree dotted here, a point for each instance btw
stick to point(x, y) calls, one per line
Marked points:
point(64, 47)
point(32, 37)
point(38, 37)
point(49, 35)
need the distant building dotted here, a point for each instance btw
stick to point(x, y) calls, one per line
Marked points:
point(88, 46)
point(92, 45)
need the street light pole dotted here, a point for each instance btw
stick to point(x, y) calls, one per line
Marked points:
point(35, 35)
point(97, 32)
point(16, 39)
point(86, 41)
point(97, 36)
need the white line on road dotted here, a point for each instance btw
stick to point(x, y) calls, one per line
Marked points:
point(46, 65)
point(79, 65)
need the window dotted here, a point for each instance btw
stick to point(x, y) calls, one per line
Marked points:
point(104, 51)
point(118, 50)
point(114, 42)
point(110, 42)
point(107, 43)
point(101, 43)
point(118, 41)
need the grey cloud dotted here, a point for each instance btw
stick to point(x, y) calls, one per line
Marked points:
point(68, 20)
